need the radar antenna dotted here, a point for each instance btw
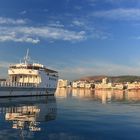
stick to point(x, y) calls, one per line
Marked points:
point(27, 58)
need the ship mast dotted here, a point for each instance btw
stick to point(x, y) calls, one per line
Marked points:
point(26, 58)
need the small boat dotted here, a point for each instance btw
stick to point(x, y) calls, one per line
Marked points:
point(35, 78)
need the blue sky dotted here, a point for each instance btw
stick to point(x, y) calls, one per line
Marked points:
point(76, 37)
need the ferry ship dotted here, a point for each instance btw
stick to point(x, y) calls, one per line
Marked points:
point(29, 76)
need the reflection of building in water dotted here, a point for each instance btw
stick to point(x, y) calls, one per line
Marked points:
point(104, 96)
point(133, 95)
point(26, 114)
point(119, 95)
point(112, 95)
point(82, 93)
point(62, 92)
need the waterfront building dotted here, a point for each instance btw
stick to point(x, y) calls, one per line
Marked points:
point(104, 80)
point(119, 86)
point(76, 84)
point(82, 84)
point(103, 85)
point(62, 83)
point(88, 85)
point(133, 86)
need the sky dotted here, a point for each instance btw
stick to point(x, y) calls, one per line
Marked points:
point(75, 37)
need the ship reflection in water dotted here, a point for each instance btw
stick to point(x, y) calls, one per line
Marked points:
point(105, 96)
point(25, 114)
point(81, 115)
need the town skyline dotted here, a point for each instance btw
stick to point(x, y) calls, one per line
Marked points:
point(76, 38)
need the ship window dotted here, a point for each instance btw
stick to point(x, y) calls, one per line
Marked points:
point(15, 78)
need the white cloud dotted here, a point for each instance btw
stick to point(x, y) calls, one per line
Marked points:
point(97, 68)
point(92, 2)
point(4, 20)
point(78, 23)
point(119, 14)
point(53, 33)
point(3, 68)
point(23, 12)
point(137, 37)
point(20, 39)
point(10, 34)
point(34, 34)
point(120, 1)
point(56, 24)
point(78, 7)
point(5, 64)
point(94, 31)
point(113, 2)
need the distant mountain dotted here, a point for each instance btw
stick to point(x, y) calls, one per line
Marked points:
point(92, 78)
point(114, 79)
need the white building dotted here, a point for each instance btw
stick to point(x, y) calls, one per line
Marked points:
point(82, 84)
point(75, 84)
point(88, 85)
point(62, 83)
point(103, 85)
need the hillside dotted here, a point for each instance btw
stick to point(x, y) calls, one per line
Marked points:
point(116, 79)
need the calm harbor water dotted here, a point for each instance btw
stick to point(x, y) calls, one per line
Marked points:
point(72, 115)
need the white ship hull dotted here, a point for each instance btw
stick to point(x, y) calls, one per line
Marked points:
point(25, 92)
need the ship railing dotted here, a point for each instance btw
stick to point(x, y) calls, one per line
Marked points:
point(17, 84)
